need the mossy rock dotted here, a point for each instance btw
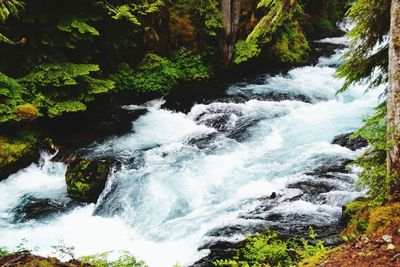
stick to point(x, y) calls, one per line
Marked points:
point(16, 154)
point(86, 179)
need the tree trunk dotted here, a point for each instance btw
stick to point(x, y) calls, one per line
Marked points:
point(393, 102)
point(231, 16)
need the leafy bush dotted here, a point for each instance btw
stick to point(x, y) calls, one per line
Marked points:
point(12, 96)
point(65, 87)
point(160, 74)
point(270, 249)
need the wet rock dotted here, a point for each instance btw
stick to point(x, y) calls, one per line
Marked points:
point(332, 165)
point(32, 208)
point(86, 179)
point(345, 140)
point(313, 187)
point(203, 141)
point(273, 195)
point(219, 250)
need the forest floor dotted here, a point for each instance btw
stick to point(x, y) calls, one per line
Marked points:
point(377, 246)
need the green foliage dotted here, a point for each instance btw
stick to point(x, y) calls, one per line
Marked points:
point(190, 66)
point(78, 25)
point(132, 11)
point(367, 58)
point(270, 249)
point(209, 11)
point(311, 249)
point(159, 74)
point(291, 46)
point(59, 108)
point(9, 8)
point(279, 27)
point(12, 96)
point(155, 73)
point(245, 50)
point(58, 75)
point(65, 87)
point(373, 160)
point(102, 260)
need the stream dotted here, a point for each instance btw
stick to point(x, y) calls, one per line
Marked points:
point(193, 182)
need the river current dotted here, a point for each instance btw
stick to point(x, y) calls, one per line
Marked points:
point(190, 179)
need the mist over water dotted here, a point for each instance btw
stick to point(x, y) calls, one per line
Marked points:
point(184, 175)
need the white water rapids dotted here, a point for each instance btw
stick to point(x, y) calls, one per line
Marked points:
point(184, 175)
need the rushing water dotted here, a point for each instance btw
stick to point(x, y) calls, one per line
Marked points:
point(184, 176)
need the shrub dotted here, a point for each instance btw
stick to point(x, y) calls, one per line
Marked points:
point(270, 249)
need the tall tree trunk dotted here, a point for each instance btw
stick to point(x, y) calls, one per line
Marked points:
point(393, 102)
point(231, 15)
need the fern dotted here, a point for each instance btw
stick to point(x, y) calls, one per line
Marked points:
point(68, 106)
point(78, 24)
point(8, 8)
point(58, 75)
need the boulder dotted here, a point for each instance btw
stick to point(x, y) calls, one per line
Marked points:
point(345, 140)
point(32, 208)
point(86, 179)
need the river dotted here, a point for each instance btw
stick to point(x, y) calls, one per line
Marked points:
point(188, 180)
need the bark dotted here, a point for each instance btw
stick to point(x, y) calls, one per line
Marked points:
point(393, 102)
point(231, 18)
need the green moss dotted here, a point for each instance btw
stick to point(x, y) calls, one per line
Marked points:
point(86, 179)
point(279, 30)
point(382, 217)
point(292, 46)
point(357, 215)
point(17, 153)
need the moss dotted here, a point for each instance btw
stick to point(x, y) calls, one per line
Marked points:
point(27, 112)
point(382, 217)
point(86, 179)
point(369, 220)
point(17, 153)
point(292, 46)
point(356, 214)
point(350, 209)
